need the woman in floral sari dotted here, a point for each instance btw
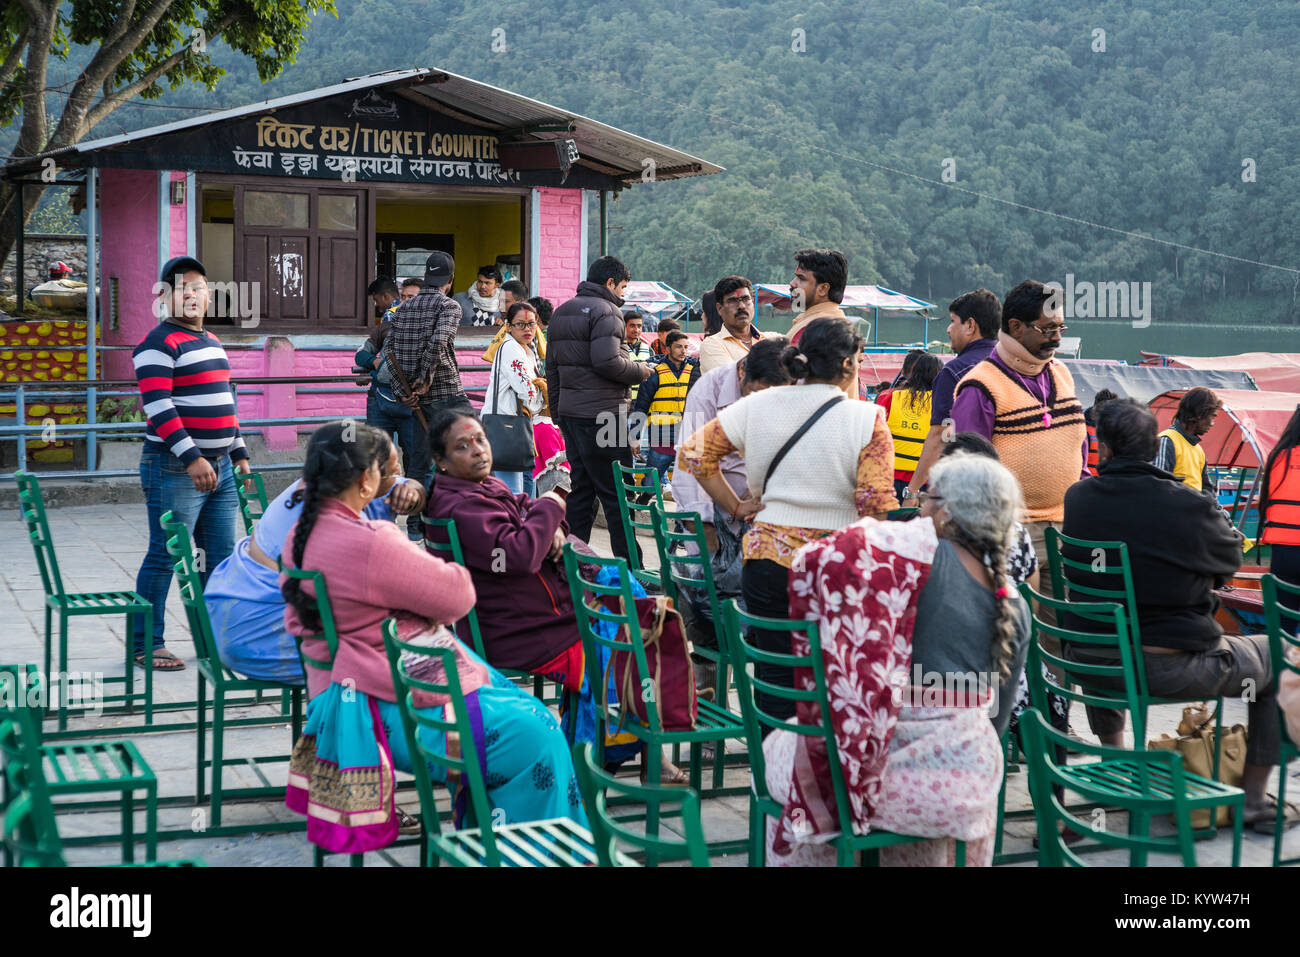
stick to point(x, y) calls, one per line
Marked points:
point(341, 771)
point(900, 603)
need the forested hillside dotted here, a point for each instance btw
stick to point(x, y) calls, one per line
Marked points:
point(941, 145)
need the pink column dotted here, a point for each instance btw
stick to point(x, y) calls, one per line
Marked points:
point(560, 257)
point(128, 203)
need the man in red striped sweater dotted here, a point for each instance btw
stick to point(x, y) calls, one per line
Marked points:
point(192, 443)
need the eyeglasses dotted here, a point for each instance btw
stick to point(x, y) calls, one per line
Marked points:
point(746, 301)
point(923, 497)
point(1049, 332)
point(523, 325)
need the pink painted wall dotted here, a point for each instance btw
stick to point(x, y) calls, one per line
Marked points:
point(128, 204)
point(561, 267)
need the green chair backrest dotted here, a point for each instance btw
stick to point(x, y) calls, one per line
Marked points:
point(1108, 615)
point(744, 658)
point(319, 599)
point(1110, 561)
point(252, 505)
point(1280, 623)
point(38, 530)
point(902, 514)
point(452, 547)
point(672, 562)
point(466, 767)
point(188, 579)
point(626, 485)
point(609, 832)
point(31, 834)
point(23, 687)
point(1157, 768)
point(628, 635)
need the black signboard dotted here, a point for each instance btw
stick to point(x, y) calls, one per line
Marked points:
point(368, 136)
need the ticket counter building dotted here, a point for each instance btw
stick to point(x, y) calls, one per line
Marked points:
point(295, 204)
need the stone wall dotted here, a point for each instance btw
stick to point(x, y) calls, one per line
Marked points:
point(43, 352)
point(39, 251)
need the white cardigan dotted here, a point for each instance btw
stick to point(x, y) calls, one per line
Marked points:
point(513, 369)
point(816, 482)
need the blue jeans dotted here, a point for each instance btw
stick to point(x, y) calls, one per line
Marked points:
point(208, 516)
point(395, 417)
point(660, 462)
point(518, 482)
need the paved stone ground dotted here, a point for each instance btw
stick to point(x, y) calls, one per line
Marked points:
point(100, 548)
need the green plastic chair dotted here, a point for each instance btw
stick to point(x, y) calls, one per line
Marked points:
point(610, 830)
point(761, 803)
point(93, 767)
point(452, 547)
point(1111, 560)
point(1143, 783)
point(678, 570)
point(1281, 622)
point(252, 505)
point(30, 831)
point(1124, 775)
point(629, 510)
point(713, 723)
point(225, 686)
point(903, 514)
point(554, 843)
point(79, 604)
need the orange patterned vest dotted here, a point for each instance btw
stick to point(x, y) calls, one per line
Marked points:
point(1046, 459)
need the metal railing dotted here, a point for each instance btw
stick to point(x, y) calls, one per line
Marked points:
point(90, 391)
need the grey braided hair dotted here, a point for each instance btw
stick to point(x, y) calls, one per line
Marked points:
point(983, 502)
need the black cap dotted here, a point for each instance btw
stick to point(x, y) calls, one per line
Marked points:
point(438, 269)
point(181, 265)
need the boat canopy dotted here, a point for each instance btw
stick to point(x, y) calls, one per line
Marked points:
point(1272, 371)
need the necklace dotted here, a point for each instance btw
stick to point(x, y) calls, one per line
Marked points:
point(1041, 400)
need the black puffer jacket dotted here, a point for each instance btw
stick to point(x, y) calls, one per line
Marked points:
point(587, 366)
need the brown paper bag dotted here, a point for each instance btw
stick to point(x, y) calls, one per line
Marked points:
point(1195, 742)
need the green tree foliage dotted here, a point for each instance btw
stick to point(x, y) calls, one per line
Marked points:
point(1058, 119)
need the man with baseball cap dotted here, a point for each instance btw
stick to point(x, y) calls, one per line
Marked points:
point(422, 350)
point(192, 443)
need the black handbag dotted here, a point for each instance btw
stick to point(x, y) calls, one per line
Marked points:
point(511, 436)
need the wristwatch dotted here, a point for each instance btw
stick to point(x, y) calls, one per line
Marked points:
point(907, 493)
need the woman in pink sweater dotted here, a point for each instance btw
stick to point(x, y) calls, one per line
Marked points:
point(341, 774)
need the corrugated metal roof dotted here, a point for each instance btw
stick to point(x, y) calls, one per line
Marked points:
point(601, 146)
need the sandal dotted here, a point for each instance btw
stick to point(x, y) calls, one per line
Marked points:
point(163, 660)
point(1264, 820)
point(407, 824)
point(670, 775)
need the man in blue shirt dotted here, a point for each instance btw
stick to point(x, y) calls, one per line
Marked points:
point(974, 320)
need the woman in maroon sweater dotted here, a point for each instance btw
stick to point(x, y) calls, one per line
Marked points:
point(511, 545)
point(341, 773)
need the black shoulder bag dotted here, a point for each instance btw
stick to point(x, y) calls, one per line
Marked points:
point(511, 436)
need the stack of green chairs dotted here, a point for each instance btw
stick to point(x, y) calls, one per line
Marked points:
point(225, 688)
point(1281, 623)
point(555, 843)
point(30, 831)
point(1111, 560)
point(677, 570)
point(78, 604)
point(96, 767)
point(252, 505)
point(610, 830)
point(1122, 773)
point(714, 723)
point(629, 511)
point(762, 805)
point(1141, 783)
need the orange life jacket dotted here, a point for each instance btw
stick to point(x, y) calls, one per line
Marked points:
point(1092, 448)
point(1282, 517)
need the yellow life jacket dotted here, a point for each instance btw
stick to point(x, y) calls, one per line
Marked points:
point(1189, 460)
point(909, 424)
point(669, 400)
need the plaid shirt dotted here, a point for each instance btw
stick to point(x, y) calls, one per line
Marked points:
point(423, 344)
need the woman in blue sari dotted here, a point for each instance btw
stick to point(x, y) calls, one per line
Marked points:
point(243, 592)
